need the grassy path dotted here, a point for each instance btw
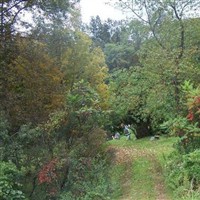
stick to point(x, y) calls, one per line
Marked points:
point(137, 168)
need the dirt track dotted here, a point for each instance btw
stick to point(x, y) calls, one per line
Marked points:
point(126, 156)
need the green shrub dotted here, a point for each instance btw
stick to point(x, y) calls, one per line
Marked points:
point(88, 176)
point(88, 179)
point(9, 182)
point(189, 133)
point(182, 173)
point(175, 127)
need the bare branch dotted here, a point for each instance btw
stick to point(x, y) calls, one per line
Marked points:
point(13, 6)
point(127, 6)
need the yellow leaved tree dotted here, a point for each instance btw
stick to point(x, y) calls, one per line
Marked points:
point(82, 61)
point(34, 83)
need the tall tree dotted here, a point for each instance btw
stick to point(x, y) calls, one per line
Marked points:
point(35, 89)
point(124, 52)
point(100, 32)
point(82, 61)
point(161, 16)
point(11, 19)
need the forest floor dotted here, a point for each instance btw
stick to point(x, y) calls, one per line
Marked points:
point(138, 168)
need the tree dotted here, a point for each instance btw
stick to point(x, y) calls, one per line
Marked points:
point(54, 99)
point(10, 20)
point(120, 56)
point(83, 62)
point(100, 32)
point(120, 40)
point(34, 84)
point(161, 16)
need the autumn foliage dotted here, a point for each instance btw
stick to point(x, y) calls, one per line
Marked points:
point(47, 174)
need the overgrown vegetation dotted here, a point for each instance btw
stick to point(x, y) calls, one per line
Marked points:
point(184, 179)
point(66, 87)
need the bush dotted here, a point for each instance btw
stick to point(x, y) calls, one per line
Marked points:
point(88, 172)
point(175, 127)
point(88, 179)
point(9, 182)
point(182, 173)
point(183, 166)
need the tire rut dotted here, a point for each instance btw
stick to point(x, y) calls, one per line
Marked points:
point(126, 156)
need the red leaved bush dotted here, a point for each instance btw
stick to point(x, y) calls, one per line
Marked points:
point(47, 173)
point(197, 100)
point(190, 116)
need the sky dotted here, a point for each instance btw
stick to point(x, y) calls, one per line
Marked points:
point(91, 8)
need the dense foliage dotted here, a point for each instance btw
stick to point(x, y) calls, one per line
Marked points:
point(185, 179)
point(65, 85)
